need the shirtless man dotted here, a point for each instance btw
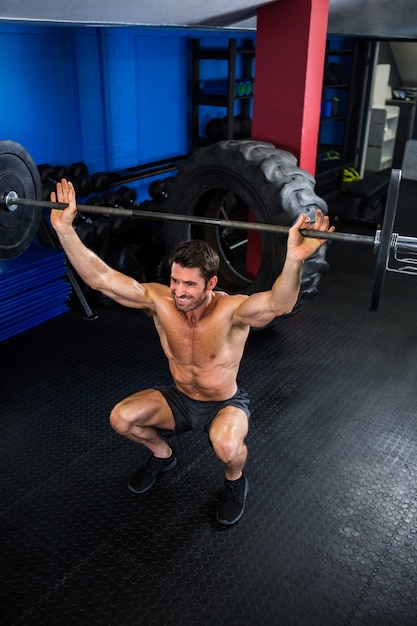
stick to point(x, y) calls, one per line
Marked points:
point(203, 334)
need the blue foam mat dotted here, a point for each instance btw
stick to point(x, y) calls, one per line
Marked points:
point(31, 323)
point(54, 292)
point(34, 255)
point(33, 289)
point(27, 283)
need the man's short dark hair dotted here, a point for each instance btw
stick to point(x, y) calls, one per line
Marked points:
point(196, 253)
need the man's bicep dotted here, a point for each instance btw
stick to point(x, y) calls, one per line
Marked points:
point(127, 291)
point(254, 309)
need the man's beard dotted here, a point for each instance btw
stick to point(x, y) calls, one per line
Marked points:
point(189, 304)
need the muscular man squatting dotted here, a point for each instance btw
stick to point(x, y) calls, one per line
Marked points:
point(203, 333)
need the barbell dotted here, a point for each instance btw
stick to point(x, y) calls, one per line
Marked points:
point(21, 188)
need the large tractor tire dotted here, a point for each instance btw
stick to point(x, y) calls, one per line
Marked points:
point(246, 181)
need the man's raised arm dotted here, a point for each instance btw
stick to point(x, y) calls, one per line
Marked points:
point(261, 308)
point(95, 273)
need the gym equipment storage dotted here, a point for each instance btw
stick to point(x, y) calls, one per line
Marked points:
point(344, 81)
point(232, 92)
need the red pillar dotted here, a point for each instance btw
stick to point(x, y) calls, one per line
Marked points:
point(290, 51)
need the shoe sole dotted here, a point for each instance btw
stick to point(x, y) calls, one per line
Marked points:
point(224, 522)
point(165, 469)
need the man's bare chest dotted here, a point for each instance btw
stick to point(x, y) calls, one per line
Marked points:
point(195, 342)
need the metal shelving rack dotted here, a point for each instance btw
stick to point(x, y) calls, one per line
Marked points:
point(231, 55)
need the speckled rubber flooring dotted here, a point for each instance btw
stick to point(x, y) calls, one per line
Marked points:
point(329, 536)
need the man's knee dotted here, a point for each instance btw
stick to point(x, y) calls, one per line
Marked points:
point(227, 434)
point(119, 419)
point(226, 444)
point(144, 409)
point(126, 414)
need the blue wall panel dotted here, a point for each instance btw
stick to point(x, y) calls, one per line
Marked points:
point(111, 97)
point(162, 88)
point(37, 108)
point(89, 98)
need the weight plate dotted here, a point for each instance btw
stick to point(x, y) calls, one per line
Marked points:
point(18, 173)
point(384, 247)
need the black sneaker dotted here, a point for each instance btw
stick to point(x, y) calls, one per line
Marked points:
point(146, 476)
point(233, 501)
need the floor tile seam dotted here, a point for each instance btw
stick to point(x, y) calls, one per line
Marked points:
point(41, 488)
point(189, 468)
point(376, 568)
point(312, 463)
point(34, 494)
point(62, 583)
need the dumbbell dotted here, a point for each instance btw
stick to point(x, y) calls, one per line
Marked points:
point(50, 175)
point(100, 181)
point(216, 128)
point(78, 170)
point(112, 198)
point(87, 233)
point(157, 190)
point(127, 195)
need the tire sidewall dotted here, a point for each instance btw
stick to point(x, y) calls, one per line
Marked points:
point(267, 180)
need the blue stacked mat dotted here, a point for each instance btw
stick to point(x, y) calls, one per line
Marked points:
point(33, 289)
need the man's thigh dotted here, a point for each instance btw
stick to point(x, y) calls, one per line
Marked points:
point(148, 408)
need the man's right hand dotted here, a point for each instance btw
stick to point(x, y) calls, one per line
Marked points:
point(65, 193)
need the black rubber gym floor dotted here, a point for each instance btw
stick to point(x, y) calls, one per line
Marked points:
point(329, 535)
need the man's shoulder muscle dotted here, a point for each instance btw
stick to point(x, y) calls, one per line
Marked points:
point(158, 295)
point(229, 303)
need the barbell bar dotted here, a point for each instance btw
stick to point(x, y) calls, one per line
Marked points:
point(20, 188)
point(12, 202)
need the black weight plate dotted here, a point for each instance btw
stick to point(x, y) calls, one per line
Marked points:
point(384, 247)
point(18, 173)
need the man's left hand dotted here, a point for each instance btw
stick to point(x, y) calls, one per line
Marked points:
point(300, 247)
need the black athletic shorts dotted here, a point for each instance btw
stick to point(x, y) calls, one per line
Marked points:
point(197, 414)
